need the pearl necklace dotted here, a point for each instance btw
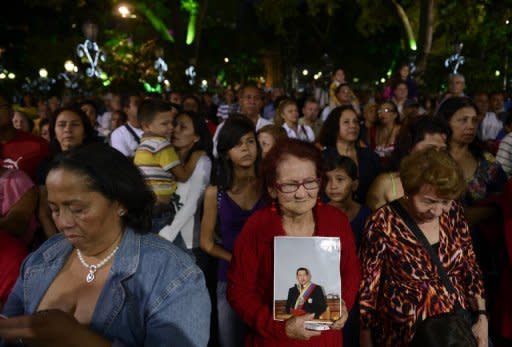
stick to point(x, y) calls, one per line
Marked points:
point(93, 268)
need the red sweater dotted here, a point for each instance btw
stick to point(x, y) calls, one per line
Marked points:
point(250, 289)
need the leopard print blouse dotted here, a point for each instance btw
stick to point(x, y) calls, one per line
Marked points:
point(400, 284)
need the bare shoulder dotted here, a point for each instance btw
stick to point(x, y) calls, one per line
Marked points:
point(211, 193)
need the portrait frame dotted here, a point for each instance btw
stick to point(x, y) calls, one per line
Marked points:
point(321, 257)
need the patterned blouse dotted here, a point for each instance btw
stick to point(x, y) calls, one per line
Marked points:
point(489, 178)
point(400, 283)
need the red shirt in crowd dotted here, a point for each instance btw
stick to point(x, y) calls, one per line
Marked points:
point(251, 285)
point(12, 254)
point(24, 152)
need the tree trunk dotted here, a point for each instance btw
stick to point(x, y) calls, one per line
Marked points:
point(425, 35)
point(411, 41)
point(199, 28)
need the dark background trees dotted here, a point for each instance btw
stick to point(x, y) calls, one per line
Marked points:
point(270, 41)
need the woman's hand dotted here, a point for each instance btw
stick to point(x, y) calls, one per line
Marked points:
point(49, 328)
point(294, 327)
point(481, 331)
point(340, 323)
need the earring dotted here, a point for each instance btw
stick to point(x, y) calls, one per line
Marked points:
point(273, 206)
point(121, 213)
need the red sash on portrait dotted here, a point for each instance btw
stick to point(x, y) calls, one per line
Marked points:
point(302, 299)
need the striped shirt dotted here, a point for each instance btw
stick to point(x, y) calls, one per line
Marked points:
point(504, 155)
point(155, 157)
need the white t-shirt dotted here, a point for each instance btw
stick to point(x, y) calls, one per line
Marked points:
point(504, 155)
point(304, 133)
point(123, 140)
point(490, 127)
point(191, 193)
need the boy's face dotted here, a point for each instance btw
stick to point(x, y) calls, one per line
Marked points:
point(162, 124)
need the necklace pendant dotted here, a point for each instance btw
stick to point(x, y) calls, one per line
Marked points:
point(90, 277)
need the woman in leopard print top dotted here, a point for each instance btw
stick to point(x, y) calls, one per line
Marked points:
point(401, 285)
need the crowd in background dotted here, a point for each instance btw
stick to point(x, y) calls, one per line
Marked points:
point(216, 174)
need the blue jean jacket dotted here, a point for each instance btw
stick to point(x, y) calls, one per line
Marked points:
point(154, 294)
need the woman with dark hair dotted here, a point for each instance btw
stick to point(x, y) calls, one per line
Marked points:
point(105, 275)
point(383, 136)
point(483, 174)
point(190, 134)
point(402, 74)
point(69, 128)
point(91, 110)
point(292, 173)
point(402, 282)
point(340, 134)
point(235, 194)
point(418, 134)
point(484, 179)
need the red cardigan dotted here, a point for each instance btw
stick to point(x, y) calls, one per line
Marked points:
point(250, 289)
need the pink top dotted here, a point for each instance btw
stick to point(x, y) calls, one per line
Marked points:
point(13, 185)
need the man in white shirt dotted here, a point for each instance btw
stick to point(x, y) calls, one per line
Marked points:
point(310, 111)
point(456, 84)
point(251, 102)
point(490, 125)
point(126, 138)
point(497, 103)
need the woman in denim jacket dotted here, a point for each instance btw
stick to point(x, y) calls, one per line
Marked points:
point(103, 280)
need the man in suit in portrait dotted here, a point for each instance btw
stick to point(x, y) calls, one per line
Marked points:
point(305, 296)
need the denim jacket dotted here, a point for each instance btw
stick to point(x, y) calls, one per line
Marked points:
point(154, 294)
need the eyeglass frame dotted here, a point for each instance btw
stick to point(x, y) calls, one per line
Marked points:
point(298, 184)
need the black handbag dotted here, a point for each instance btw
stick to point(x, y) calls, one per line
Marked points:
point(467, 319)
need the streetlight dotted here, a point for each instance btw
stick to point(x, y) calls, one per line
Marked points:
point(226, 60)
point(125, 11)
point(305, 72)
point(43, 73)
point(70, 76)
point(69, 66)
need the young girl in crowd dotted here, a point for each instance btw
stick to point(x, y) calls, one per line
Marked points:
point(287, 116)
point(341, 183)
point(268, 136)
point(235, 194)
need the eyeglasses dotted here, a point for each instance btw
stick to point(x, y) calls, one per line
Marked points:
point(381, 110)
point(310, 184)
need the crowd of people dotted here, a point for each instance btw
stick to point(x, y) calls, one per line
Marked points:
point(137, 219)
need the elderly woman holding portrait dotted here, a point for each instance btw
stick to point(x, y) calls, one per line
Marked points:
point(104, 279)
point(292, 173)
point(402, 284)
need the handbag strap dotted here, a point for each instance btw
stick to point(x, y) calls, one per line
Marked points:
point(411, 224)
point(132, 132)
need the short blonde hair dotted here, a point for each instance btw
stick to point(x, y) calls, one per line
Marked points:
point(435, 168)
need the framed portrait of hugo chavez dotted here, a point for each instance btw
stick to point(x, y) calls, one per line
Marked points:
point(307, 279)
